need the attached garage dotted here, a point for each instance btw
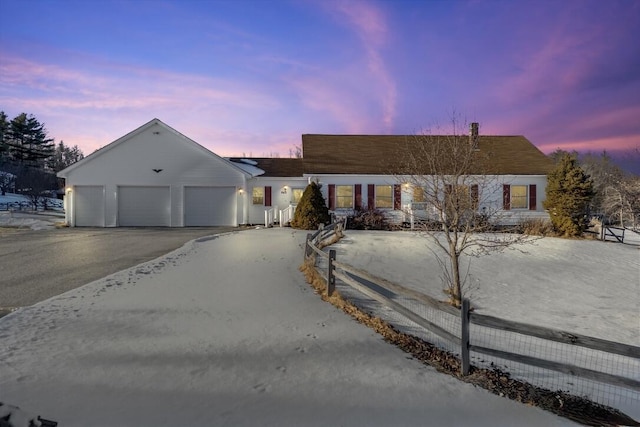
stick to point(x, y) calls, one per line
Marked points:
point(88, 205)
point(144, 206)
point(209, 206)
point(155, 176)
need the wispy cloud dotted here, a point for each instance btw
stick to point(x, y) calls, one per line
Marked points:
point(118, 93)
point(370, 25)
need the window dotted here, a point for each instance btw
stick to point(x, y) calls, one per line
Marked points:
point(344, 196)
point(297, 195)
point(460, 198)
point(519, 197)
point(418, 195)
point(384, 196)
point(258, 195)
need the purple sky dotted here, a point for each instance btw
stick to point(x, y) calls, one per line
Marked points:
point(252, 76)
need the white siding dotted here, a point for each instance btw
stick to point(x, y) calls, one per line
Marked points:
point(281, 195)
point(490, 194)
point(154, 155)
point(209, 206)
point(144, 207)
point(88, 205)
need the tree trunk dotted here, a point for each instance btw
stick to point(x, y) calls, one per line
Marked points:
point(456, 290)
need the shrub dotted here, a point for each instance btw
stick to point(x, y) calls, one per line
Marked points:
point(311, 210)
point(569, 191)
point(368, 219)
point(536, 227)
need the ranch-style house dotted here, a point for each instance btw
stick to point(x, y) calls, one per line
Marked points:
point(155, 176)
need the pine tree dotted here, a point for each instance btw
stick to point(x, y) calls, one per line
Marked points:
point(4, 137)
point(569, 192)
point(311, 210)
point(29, 144)
point(64, 156)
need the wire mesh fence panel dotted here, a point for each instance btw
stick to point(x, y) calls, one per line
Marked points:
point(443, 320)
point(570, 355)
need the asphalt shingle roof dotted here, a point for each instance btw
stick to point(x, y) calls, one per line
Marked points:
point(382, 154)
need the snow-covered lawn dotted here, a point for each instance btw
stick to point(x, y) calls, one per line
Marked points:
point(225, 332)
point(584, 286)
point(580, 286)
point(26, 219)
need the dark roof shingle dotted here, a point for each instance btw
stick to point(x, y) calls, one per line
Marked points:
point(381, 154)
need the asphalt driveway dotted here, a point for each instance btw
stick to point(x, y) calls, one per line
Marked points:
point(36, 265)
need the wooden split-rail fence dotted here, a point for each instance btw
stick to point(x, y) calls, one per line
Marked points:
point(379, 290)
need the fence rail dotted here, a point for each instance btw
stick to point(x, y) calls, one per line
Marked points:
point(624, 372)
point(29, 206)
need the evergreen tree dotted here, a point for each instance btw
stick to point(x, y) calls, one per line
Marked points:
point(311, 210)
point(569, 192)
point(28, 142)
point(64, 156)
point(4, 136)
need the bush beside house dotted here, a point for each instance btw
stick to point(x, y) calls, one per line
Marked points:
point(311, 210)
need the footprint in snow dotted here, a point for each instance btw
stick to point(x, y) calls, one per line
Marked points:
point(261, 388)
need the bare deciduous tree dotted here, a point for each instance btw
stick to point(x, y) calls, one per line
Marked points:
point(617, 193)
point(453, 182)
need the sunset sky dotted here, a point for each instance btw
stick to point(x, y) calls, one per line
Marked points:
point(249, 77)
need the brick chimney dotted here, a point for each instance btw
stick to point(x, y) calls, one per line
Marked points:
point(473, 134)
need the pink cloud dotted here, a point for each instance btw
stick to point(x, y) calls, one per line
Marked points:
point(369, 23)
point(322, 95)
point(122, 86)
point(91, 107)
point(616, 143)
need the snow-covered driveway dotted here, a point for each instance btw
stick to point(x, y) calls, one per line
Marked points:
point(225, 332)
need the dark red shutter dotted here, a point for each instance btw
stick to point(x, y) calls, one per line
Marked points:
point(371, 197)
point(448, 197)
point(358, 192)
point(332, 197)
point(475, 197)
point(397, 196)
point(532, 197)
point(506, 197)
point(267, 196)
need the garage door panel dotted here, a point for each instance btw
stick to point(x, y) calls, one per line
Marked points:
point(88, 205)
point(209, 206)
point(144, 206)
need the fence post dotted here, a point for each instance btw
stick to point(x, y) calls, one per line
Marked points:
point(306, 246)
point(331, 279)
point(464, 336)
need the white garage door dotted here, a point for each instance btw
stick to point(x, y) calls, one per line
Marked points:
point(88, 205)
point(144, 207)
point(209, 206)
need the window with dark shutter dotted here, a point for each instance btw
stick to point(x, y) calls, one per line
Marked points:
point(397, 197)
point(267, 196)
point(371, 196)
point(532, 197)
point(506, 197)
point(358, 190)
